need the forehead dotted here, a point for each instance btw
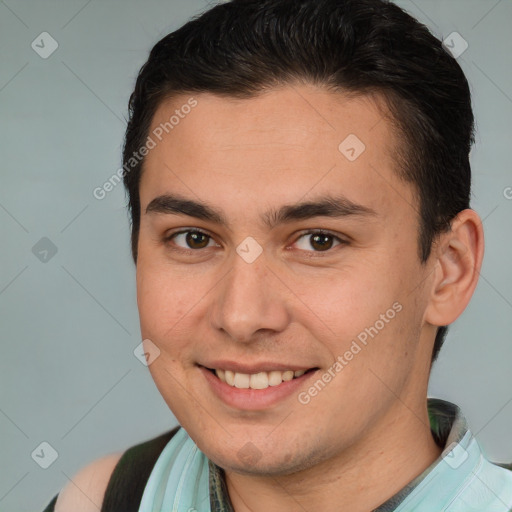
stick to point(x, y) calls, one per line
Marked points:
point(279, 146)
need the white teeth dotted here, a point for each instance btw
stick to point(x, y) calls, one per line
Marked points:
point(242, 380)
point(275, 378)
point(230, 377)
point(261, 380)
point(287, 375)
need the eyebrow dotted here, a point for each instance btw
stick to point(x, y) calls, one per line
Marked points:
point(325, 206)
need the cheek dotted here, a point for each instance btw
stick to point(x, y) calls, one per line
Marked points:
point(366, 303)
point(164, 301)
point(348, 298)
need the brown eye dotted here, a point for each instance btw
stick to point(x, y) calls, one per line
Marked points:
point(191, 239)
point(318, 241)
point(321, 242)
point(196, 240)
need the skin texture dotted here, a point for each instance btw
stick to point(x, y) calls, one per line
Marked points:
point(86, 490)
point(365, 434)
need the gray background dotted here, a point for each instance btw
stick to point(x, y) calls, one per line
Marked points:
point(69, 325)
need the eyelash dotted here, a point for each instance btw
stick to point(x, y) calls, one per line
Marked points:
point(341, 242)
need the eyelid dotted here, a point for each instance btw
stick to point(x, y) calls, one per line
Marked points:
point(343, 240)
point(168, 237)
point(187, 229)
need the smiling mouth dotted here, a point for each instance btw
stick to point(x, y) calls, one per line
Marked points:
point(261, 380)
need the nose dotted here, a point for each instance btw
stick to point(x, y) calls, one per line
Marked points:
point(249, 301)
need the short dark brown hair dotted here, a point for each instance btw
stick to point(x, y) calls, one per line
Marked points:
point(243, 47)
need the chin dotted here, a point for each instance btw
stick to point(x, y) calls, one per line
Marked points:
point(273, 460)
point(264, 467)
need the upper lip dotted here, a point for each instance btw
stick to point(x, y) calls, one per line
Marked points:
point(265, 366)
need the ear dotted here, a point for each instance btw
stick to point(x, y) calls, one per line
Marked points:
point(459, 254)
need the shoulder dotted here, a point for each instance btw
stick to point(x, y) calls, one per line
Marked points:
point(115, 481)
point(86, 489)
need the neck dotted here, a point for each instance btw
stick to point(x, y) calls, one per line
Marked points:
point(358, 479)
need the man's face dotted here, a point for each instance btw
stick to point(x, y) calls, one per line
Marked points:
point(257, 288)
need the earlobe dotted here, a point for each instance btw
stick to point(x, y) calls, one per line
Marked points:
point(459, 256)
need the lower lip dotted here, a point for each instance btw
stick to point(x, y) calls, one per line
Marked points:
point(254, 399)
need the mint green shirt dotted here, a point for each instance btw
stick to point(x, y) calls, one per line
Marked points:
point(460, 480)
